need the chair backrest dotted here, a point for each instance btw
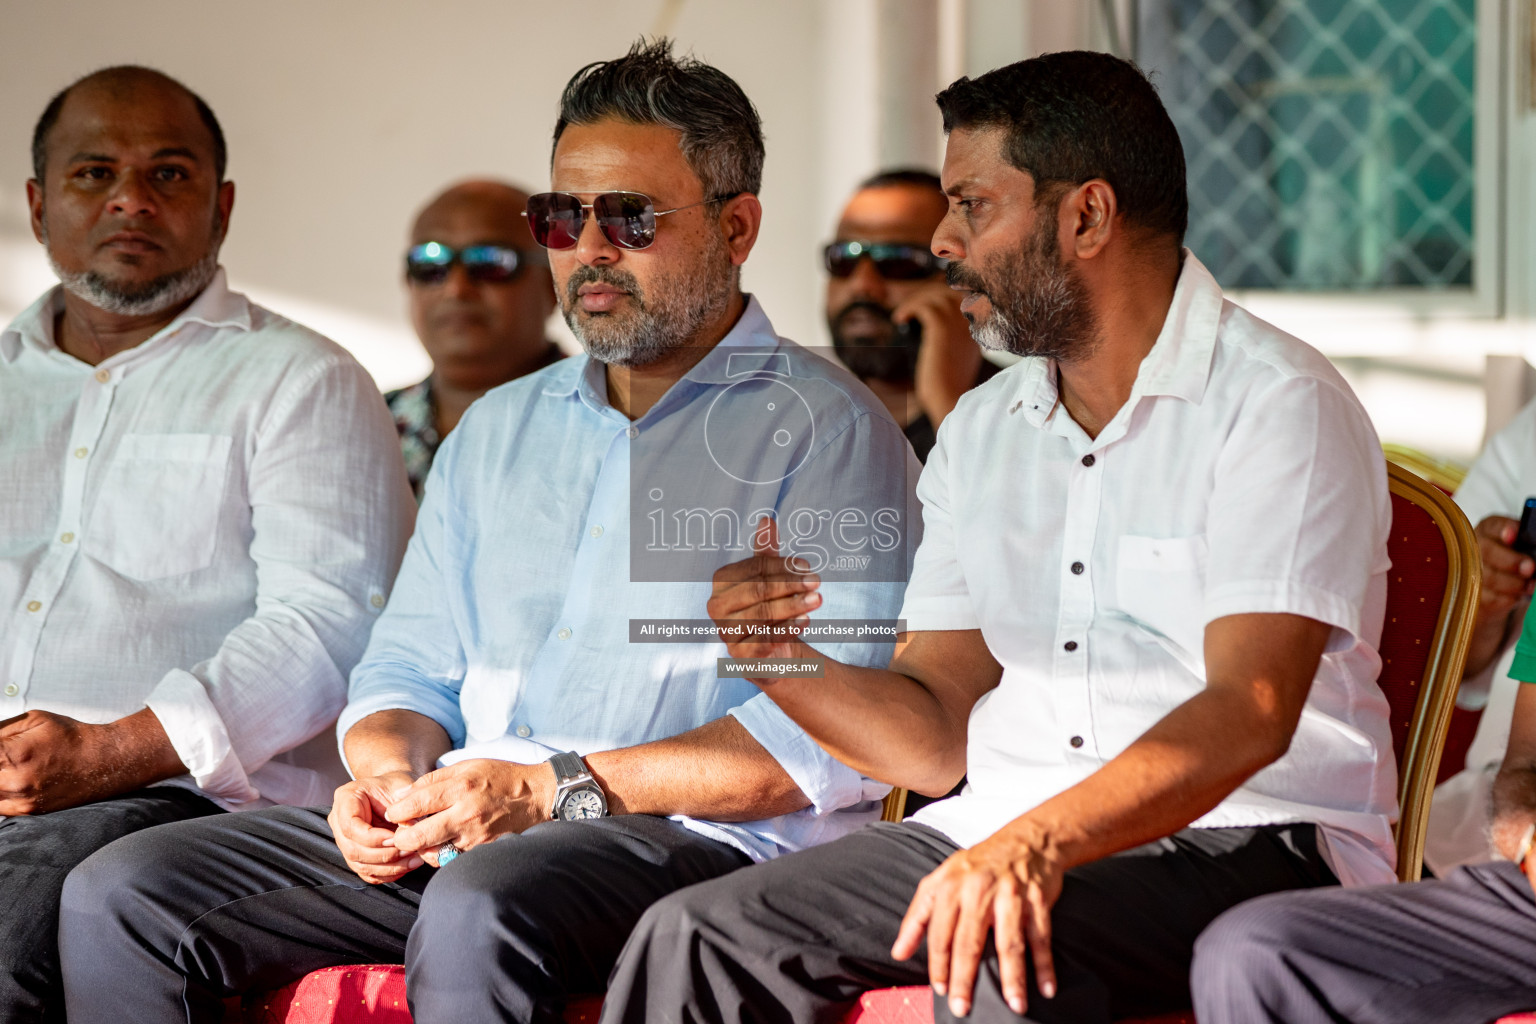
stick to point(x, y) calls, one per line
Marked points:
point(1443, 473)
point(1431, 600)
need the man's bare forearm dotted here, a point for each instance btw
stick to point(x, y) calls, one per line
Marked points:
point(880, 723)
point(395, 741)
point(1514, 804)
point(1261, 669)
point(717, 772)
point(905, 725)
point(1490, 635)
point(1177, 771)
point(136, 752)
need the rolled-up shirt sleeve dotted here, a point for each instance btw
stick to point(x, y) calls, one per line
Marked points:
point(415, 660)
point(330, 513)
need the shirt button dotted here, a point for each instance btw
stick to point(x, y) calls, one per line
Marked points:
point(377, 600)
point(524, 731)
point(81, 453)
point(1077, 568)
point(632, 433)
point(65, 538)
point(597, 531)
point(1070, 645)
point(11, 689)
point(34, 606)
point(565, 633)
point(1087, 460)
point(102, 376)
point(1076, 741)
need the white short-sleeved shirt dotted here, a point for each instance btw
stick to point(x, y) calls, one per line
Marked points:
point(206, 524)
point(1242, 475)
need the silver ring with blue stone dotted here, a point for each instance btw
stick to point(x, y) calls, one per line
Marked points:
point(446, 853)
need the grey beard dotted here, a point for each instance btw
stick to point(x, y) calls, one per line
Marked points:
point(1052, 321)
point(164, 292)
point(658, 327)
point(1039, 306)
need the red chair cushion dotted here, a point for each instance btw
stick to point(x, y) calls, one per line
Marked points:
point(911, 1005)
point(361, 994)
point(374, 993)
point(1414, 588)
point(914, 1005)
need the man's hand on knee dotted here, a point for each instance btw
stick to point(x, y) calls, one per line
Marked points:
point(50, 762)
point(471, 803)
point(364, 836)
point(1005, 885)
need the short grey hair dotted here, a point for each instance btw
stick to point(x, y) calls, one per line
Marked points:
point(722, 135)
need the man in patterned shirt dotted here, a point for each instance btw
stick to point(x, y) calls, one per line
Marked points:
point(480, 297)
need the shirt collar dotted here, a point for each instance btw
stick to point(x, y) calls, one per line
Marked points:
point(752, 331)
point(1180, 361)
point(216, 306)
point(1178, 365)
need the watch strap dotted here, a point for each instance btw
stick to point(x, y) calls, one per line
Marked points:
point(569, 767)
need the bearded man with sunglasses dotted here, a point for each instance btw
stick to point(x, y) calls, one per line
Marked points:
point(480, 295)
point(894, 320)
point(533, 767)
point(202, 509)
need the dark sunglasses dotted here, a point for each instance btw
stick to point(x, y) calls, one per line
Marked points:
point(892, 262)
point(429, 262)
point(627, 219)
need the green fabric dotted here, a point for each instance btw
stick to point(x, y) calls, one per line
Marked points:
point(1524, 666)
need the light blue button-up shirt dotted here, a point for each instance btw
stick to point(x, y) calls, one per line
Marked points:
point(510, 622)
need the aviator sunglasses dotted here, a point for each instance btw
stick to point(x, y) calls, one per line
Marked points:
point(626, 219)
point(892, 262)
point(429, 262)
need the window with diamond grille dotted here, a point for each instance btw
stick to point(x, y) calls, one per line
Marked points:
point(1329, 142)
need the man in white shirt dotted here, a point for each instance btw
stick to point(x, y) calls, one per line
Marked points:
point(202, 507)
point(1142, 618)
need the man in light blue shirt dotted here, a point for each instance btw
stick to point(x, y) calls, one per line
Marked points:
point(547, 652)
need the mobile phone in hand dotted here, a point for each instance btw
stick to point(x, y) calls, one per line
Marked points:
point(1525, 537)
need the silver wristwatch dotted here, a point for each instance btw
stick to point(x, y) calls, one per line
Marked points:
point(577, 794)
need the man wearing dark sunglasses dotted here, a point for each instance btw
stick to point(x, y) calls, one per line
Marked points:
point(894, 320)
point(531, 769)
point(480, 296)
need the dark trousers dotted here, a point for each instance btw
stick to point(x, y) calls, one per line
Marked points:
point(1457, 951)
point(799, 938)
point(163, 925)
point(36, 853)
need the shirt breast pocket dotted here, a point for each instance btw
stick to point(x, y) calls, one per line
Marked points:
point(157, 512)
point(1160, 584)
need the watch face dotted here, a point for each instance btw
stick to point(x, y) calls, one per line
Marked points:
point(581, 803)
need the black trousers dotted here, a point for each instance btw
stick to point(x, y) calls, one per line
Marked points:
point(1457, 951)
point(36, 853)
point(799, 938)
point(162, 926)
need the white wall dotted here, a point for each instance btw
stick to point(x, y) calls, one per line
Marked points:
point(343, 116)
